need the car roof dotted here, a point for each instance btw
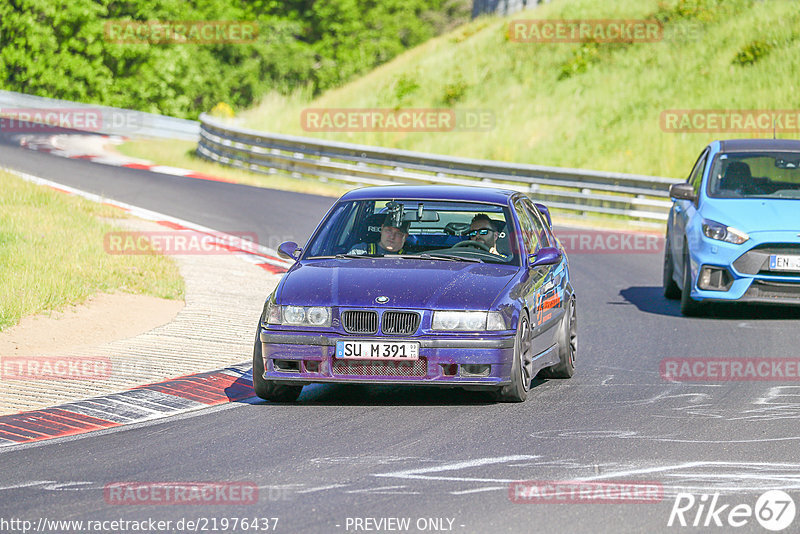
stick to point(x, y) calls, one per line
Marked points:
point(432, 192)
point(745, 145)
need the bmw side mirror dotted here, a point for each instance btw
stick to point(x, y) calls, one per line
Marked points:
point(545, 256)
point(289, 250)
point(682, 192)
point(546, 212)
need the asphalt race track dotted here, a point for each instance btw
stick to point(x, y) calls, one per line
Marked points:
point(444, 459)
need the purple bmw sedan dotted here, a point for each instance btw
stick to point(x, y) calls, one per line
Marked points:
point(421, 285)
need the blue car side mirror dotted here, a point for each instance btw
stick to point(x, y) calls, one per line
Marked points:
point(545, 256)
point(289, 250)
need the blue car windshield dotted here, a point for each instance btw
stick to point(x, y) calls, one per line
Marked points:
point(417, 229)
point(755, 175)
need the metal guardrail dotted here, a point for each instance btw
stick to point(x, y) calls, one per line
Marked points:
point(576, 190)
point(113, 121)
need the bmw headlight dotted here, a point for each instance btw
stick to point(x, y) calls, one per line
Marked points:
point(476, 321)
point(720, 232)
point(298, 315)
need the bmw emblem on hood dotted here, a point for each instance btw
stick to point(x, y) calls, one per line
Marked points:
point(382, 299)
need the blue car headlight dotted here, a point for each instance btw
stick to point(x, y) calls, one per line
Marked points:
point(298, 315)
point(476, 321)
point(720, 232)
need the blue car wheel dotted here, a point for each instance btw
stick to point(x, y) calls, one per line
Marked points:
point(671, 290)
point(689, 306)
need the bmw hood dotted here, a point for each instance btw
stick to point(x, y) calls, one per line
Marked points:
point(408, 283)
point(755, 215)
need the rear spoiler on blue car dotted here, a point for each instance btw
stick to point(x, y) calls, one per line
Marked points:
point(544, 211)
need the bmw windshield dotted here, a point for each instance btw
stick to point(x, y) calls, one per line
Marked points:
point(417, 229)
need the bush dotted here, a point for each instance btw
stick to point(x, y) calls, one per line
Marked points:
point(751, 53)
point(57, 49)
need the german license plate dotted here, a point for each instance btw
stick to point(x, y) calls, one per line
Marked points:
point(784, 263)
point(377, 350)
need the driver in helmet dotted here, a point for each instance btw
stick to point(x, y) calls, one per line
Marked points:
point(484, 230)
point(394, 232)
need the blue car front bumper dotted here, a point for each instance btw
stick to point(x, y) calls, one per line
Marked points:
point(744, 270)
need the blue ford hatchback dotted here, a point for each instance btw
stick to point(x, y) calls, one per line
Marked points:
point(421, 285)
point(733, 232)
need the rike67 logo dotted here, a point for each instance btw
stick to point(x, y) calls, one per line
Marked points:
point(774, 510)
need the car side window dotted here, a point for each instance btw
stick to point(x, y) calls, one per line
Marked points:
point(696, 176)
point(538, 223)
point(529, 234)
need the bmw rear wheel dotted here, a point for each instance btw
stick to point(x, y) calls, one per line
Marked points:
point(517, 390)
point(567, 345)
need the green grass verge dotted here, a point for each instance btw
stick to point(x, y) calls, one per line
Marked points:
point(182, 154)
point(52, 255)
point(593, 106)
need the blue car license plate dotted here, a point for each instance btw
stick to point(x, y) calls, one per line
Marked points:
point(784, 263)
point(377, 350)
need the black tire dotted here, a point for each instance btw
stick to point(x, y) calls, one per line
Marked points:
point(267, 389)
point(517, 390)
point(567, 345)
point(671, 289)
point(689, 306)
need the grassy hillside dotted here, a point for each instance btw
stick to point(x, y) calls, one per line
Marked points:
point(591, 105)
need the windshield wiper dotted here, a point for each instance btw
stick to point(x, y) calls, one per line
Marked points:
point(348, 255)
point(443, 257)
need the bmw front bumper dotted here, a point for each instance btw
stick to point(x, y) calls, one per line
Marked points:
point(302, 357)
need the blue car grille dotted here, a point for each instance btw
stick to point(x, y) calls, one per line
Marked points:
point(360, 322)
point(399, 323)
point(773, 290)
point(756, 260)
